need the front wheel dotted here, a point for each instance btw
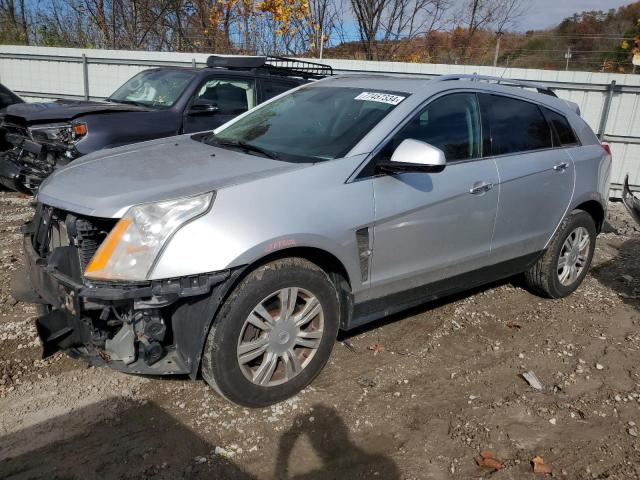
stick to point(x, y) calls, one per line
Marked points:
point(566, 261)
point(273, 335)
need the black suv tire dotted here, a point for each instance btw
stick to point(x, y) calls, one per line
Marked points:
point(543, 277)
point(221, 365)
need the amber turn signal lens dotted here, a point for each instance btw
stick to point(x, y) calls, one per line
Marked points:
point(79, 129)
point(102, 256)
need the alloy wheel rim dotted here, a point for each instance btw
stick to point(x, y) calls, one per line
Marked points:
point(280, 336)
point(573, 256)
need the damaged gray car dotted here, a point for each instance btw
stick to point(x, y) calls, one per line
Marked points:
point(240, 254)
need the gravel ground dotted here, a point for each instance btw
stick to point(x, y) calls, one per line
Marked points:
point(442, 386)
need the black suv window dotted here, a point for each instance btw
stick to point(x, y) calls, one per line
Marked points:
point(451, 123)
point(232, 96)
point(564, 135)
point(271, 88)
point(517, 126)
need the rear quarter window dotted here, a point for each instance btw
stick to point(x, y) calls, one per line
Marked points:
point(564, 134)
point(517, 126)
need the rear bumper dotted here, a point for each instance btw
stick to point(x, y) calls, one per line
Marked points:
point(630, 201)
point(79, 312)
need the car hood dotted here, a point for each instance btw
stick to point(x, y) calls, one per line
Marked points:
point(63, 110)
point(107, 183)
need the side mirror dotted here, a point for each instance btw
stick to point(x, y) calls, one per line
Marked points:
point(203, 107)
point(414, 156)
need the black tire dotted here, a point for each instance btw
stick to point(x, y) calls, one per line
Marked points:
point(542, 278)
point(220, 364)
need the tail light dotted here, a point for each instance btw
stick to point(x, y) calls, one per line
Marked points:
point(606, 148)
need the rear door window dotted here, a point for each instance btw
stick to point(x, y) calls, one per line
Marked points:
point(450, 123)
point(564, 135)
point(517, 126)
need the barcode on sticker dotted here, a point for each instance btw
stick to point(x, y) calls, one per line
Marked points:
point(380, 97)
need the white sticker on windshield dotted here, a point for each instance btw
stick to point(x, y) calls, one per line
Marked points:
point(380, 97)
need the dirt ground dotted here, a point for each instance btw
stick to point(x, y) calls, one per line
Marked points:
point(445, 386)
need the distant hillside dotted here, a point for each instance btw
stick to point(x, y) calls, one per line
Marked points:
point(599, 41)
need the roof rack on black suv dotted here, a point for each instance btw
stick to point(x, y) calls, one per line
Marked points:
point(275, 65)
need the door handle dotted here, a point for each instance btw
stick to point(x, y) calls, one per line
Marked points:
point(480, 187)
point(561, 167)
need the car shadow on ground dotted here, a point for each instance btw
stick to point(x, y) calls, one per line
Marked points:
point(134, 441)
point(622, 273)
point(127, 439)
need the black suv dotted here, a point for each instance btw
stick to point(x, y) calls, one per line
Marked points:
point(155, 103)
point(7, 97)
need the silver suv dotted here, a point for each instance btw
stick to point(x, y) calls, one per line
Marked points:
point(241, 253)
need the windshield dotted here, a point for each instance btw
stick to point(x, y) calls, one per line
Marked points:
point(313, 124)
point(154, 88)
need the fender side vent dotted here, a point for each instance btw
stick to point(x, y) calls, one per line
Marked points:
point(364, 251)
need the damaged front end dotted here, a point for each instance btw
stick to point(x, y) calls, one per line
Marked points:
point(34, 152)
point(149, 327)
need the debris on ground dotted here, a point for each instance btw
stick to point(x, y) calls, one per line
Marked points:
point(376, 348)
point(424, 408)
point(487, 460)
point(533, 380)
point(349, 345)
point(539, 466)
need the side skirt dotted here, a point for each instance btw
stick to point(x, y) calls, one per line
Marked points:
point(377, 308)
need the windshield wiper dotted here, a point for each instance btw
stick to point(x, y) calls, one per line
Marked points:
point(248, 147)
point(128, 102)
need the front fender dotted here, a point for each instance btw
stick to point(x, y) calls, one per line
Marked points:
point(185, 255)
point(310, 206)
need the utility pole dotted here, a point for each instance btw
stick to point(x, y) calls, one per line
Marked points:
point(321, 40)
point(495, 57)
point(567, 56)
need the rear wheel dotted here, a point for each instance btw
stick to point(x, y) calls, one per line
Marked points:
point(567, 259)
point(273, 334)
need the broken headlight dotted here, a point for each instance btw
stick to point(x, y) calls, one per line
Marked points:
point(131, 248)
point(59, 133)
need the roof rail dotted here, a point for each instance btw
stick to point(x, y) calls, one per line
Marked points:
point(503, 81)
point(275, 65)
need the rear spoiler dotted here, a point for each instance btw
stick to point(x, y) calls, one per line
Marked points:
point(573, 106)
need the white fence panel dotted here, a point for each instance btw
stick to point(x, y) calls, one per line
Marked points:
point(39, 73)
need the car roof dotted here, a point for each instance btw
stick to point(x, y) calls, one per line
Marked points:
point(394, 83)
point(426, 87)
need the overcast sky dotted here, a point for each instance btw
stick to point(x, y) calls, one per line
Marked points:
point(548, 13)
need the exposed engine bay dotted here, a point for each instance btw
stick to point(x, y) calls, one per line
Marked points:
point(143, 327)
point(34, 152)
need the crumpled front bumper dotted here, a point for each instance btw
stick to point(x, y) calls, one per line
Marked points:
point(28, 163)
point(69, 326)
point(10, 173)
